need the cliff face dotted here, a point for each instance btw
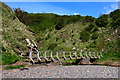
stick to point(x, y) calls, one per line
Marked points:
point(14, 32)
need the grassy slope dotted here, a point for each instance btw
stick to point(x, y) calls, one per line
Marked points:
point(67, 36)
point(111, 48)
point(13, 36)
point(71, 33)
point(14, 32)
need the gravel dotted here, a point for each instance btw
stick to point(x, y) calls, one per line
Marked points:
point(80, 71)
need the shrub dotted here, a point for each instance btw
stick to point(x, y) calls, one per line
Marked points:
point(95, 35)
point(39, 39)
point(60, 24)
point(72, 35)
point(91, 27)
point(95, 29)
point(102, 21)
point(73, 43)
point(115, 14)
point(57, 39)
point(8, 58)
point(116, 23)
point(48, 36)
point(74, 18)
point(3, 49)
point(52, 46)
point(91, 45)
point(89, 19)
point(84, 36)
point(72, 31)
point(22, 15)
point(63, 41)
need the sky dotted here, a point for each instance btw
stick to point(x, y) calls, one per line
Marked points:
point(59, 0)
point(94, 9)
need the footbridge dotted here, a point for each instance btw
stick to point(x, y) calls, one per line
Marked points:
point(39, 56)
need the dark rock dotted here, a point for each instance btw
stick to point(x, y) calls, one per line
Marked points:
point(83, 61)
point(25, 68)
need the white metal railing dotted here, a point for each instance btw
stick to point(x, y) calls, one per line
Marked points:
point(52, 55)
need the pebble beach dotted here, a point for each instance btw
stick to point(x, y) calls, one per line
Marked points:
point(77, 71)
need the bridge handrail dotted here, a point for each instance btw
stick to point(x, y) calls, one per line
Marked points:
point(82, 53)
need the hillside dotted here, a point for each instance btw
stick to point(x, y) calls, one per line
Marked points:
point(65, 39)
point(75, 32)
point(53, 32)
point(14, 33)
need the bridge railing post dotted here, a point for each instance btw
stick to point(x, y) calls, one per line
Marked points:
point(90, 54)
point(64, 56)
point(30, 55)
point(94, 54)
point(101, 54)
point(98, 55)
point(70, 55)
point(38, 55)
point(51, 56)
point(81, 54)
point(86, 54)
point(75, 53)
point(45, 56)
point(57, 56)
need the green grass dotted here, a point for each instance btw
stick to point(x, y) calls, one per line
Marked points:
point(109, 58)
point(69, 62)
point(13, 67)
point(14, 32)
point(8, 58)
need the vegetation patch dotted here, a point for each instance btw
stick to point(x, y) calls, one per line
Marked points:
point(95, 35)
point(8, 58)
point(59, 32)
point(85, 36)
point(102, 21)
point(52, 46)
point(13, 67)
point(69, 62)
point(108, 58)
